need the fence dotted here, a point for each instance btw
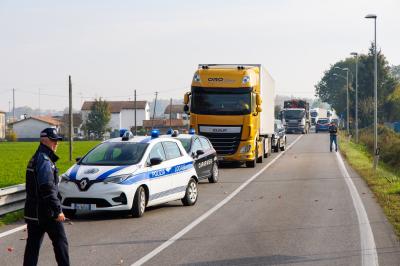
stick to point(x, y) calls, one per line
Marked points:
point(12, 198)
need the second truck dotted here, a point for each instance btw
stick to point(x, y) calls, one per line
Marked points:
point(296, 116)
point(233, 106)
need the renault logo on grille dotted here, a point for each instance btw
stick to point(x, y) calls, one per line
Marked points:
point(83, 183)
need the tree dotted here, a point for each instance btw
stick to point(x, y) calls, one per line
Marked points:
point(332, 89)
point(98, 118)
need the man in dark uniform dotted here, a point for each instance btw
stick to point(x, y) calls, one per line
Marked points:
point(333, 136)
point(43, 213)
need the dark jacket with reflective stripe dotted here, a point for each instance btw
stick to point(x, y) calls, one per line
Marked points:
point(333, 130)
point(42, 202)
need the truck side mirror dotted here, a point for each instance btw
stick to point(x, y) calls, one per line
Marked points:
point(186, 98)
point(258, 99)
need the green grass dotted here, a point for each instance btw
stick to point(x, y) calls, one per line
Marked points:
point(14, 157)
point(384, 182)
point(11, 217)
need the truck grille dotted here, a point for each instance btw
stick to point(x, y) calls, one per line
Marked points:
point(224, 143)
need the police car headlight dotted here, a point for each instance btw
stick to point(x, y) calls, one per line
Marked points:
point(65, 178)
point(116, 178)
point(245, 148)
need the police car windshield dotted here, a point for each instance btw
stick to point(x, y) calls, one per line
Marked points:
point(115, 153)
point(186, 143)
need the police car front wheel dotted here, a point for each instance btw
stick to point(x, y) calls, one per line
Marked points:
point(191, 193)
point(139, 203)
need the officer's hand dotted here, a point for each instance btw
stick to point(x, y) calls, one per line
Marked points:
point(61, 217)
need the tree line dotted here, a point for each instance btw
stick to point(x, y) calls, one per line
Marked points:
point(332, 89)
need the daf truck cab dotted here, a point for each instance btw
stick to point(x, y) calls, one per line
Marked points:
point(233, 106)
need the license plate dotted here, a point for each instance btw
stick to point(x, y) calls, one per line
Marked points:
point(83, 207)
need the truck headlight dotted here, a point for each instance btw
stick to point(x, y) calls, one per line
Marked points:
point(65, 178)
point(245, 148)
point(116, 179)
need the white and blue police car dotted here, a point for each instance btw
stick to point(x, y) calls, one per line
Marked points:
point(130, 173)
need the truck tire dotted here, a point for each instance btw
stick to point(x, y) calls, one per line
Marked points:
point(139, 203)
point(265, 151)
point(260, 159)
point(251, 164)
point(191, 194)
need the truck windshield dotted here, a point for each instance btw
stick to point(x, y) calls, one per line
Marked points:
point(221, 101)
point(115, 153)
point(314, 114)
point(294, 114)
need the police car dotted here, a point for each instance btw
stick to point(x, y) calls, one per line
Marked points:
point(130, 173)
point(202, 151)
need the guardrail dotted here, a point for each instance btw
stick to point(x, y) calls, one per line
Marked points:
point(12, 198)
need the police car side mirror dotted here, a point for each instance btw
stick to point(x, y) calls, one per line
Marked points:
point(155, 161)
point(199, 152)
point(77, 159)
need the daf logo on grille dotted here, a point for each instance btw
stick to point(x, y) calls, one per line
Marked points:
point(219, 130)
point(91, 171)
point(83, 183)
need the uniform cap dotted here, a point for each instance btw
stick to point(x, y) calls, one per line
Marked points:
point(50, 133)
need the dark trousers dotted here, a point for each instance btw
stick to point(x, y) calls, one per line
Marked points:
point(333, 140)
point(56, 233)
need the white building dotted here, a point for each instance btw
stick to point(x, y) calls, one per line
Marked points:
point(122, 113)
point(176, 112)
point(30, 128)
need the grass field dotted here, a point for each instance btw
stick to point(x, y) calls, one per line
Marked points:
point(14, 157)
point(384, 182)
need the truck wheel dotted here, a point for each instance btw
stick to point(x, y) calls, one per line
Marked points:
point(139, 203)
point(265, 151)
point(191, 193)
point(251, 164)
point(260, 159)
point(214, 174)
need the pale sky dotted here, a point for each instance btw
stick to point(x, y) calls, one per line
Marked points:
point(111, 48)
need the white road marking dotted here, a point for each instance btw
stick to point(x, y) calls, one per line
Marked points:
point(369, 256)
point(12, 231)
point(193, 224)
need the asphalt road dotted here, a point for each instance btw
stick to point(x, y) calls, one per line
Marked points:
point(298, 211)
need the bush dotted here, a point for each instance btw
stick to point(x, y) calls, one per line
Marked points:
point(388, 142)
point(11, 136)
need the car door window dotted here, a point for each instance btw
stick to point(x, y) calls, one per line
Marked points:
point(196, 145)
point(157, 152)
point(206, 145)
point(172, 150)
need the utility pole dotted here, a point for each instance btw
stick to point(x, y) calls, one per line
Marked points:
point(134, 106)
point(376, 149)
point(356, 124)
point(70, 118)
point(348, 106)
point(154, 110)
point(14, 104)
point(170, 113)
